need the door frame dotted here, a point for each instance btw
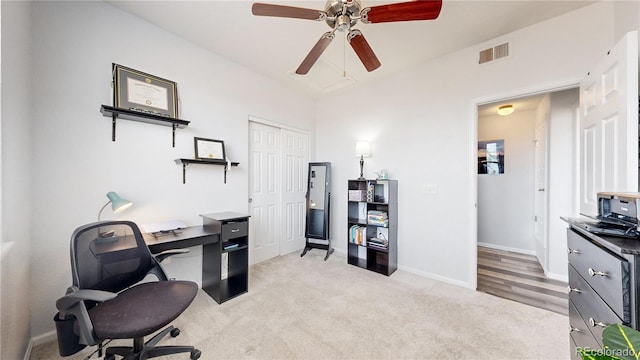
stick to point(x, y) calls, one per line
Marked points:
point(275, 124)
point(473, 173)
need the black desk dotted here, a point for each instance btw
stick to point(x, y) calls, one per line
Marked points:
point(225, 243)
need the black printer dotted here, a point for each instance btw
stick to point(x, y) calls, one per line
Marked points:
point(617, 215)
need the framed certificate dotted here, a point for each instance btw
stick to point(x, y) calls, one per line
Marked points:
point(209, 149)
point(138, 91)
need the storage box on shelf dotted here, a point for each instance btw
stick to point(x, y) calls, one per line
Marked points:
point(373, 225)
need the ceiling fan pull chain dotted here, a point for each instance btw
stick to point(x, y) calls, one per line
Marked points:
point(344, 57)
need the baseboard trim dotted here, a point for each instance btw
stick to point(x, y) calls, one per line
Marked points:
point(39, 340)
point(423, 274)
point(436, 277)
point(44, 338)
point(27, 354)
point(559, 277)
point(507, 248)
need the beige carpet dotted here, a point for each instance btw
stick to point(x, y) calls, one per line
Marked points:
point(306, 308)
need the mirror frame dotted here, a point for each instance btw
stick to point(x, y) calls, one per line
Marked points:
point(327, 202)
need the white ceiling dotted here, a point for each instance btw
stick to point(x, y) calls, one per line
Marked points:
point(275, 47)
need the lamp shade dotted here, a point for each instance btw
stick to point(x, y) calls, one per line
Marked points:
point(363, 148)
point(117, 203)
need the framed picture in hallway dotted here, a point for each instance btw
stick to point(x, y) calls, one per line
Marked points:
point(491, 157)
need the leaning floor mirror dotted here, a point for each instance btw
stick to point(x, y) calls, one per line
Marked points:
point(318, 206)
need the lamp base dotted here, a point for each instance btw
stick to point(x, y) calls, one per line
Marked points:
point(361, 168)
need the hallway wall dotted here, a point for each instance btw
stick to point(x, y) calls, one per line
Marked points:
point(506, 201)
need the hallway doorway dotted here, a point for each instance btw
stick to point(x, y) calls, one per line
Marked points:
point(518, 210)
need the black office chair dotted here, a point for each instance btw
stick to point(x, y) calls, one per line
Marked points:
point(107, 300)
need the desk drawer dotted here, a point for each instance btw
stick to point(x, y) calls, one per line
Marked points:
point(606, 273)
point(234, 230)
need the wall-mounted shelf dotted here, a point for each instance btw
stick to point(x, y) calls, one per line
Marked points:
point(186, 162)
point(119, 113)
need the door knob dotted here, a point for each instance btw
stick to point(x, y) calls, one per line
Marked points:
point(250, 200)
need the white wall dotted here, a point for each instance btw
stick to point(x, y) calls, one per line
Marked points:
point(421, 124)
point(16, 180)
point(506, 201)
point(75, 163)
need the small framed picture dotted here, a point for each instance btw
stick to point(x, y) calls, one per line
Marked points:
point(209, 149)
point(138, 91)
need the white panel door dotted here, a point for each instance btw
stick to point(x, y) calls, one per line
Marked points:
point(609, 125)
point(264, 191)
point(295, 157)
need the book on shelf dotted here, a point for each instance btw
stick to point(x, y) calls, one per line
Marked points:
point(379, 243)
point(358, 235)
point(377, 246)
point(378, 223)
point(378, 218)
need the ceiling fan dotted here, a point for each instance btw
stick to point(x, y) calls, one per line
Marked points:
point(342, 15)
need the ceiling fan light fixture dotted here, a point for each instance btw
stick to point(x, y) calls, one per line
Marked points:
point(343, 23)
point(505, 110)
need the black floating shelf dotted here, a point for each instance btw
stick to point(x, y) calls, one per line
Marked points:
point(120, 113)
point(186, 162)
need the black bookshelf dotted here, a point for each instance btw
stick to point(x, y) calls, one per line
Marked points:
point(372, 229)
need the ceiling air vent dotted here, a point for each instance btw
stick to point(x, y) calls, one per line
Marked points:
point(494, 53)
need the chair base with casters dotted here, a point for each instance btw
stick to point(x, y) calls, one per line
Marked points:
point(142, 350)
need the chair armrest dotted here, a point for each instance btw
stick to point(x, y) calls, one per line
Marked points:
point(72, 298)
point(165, 254)
point(72, 305)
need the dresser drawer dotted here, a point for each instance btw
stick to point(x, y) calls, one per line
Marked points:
point(575, 355)
point(234, 230)
point(580, 332)
point(595, 313)
point(606, 273)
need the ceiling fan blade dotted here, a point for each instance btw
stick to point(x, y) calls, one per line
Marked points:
point(315, 53)
point(363, 50)
point(261, 9)
point(404, 11)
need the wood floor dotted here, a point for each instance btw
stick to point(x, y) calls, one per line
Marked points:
point(520, 277)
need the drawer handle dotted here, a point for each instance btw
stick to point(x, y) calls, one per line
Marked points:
point(593, 323)
point(572, 251)
point(574, 289)
point(235, 230)
point(594, 273)
point(572, 329)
